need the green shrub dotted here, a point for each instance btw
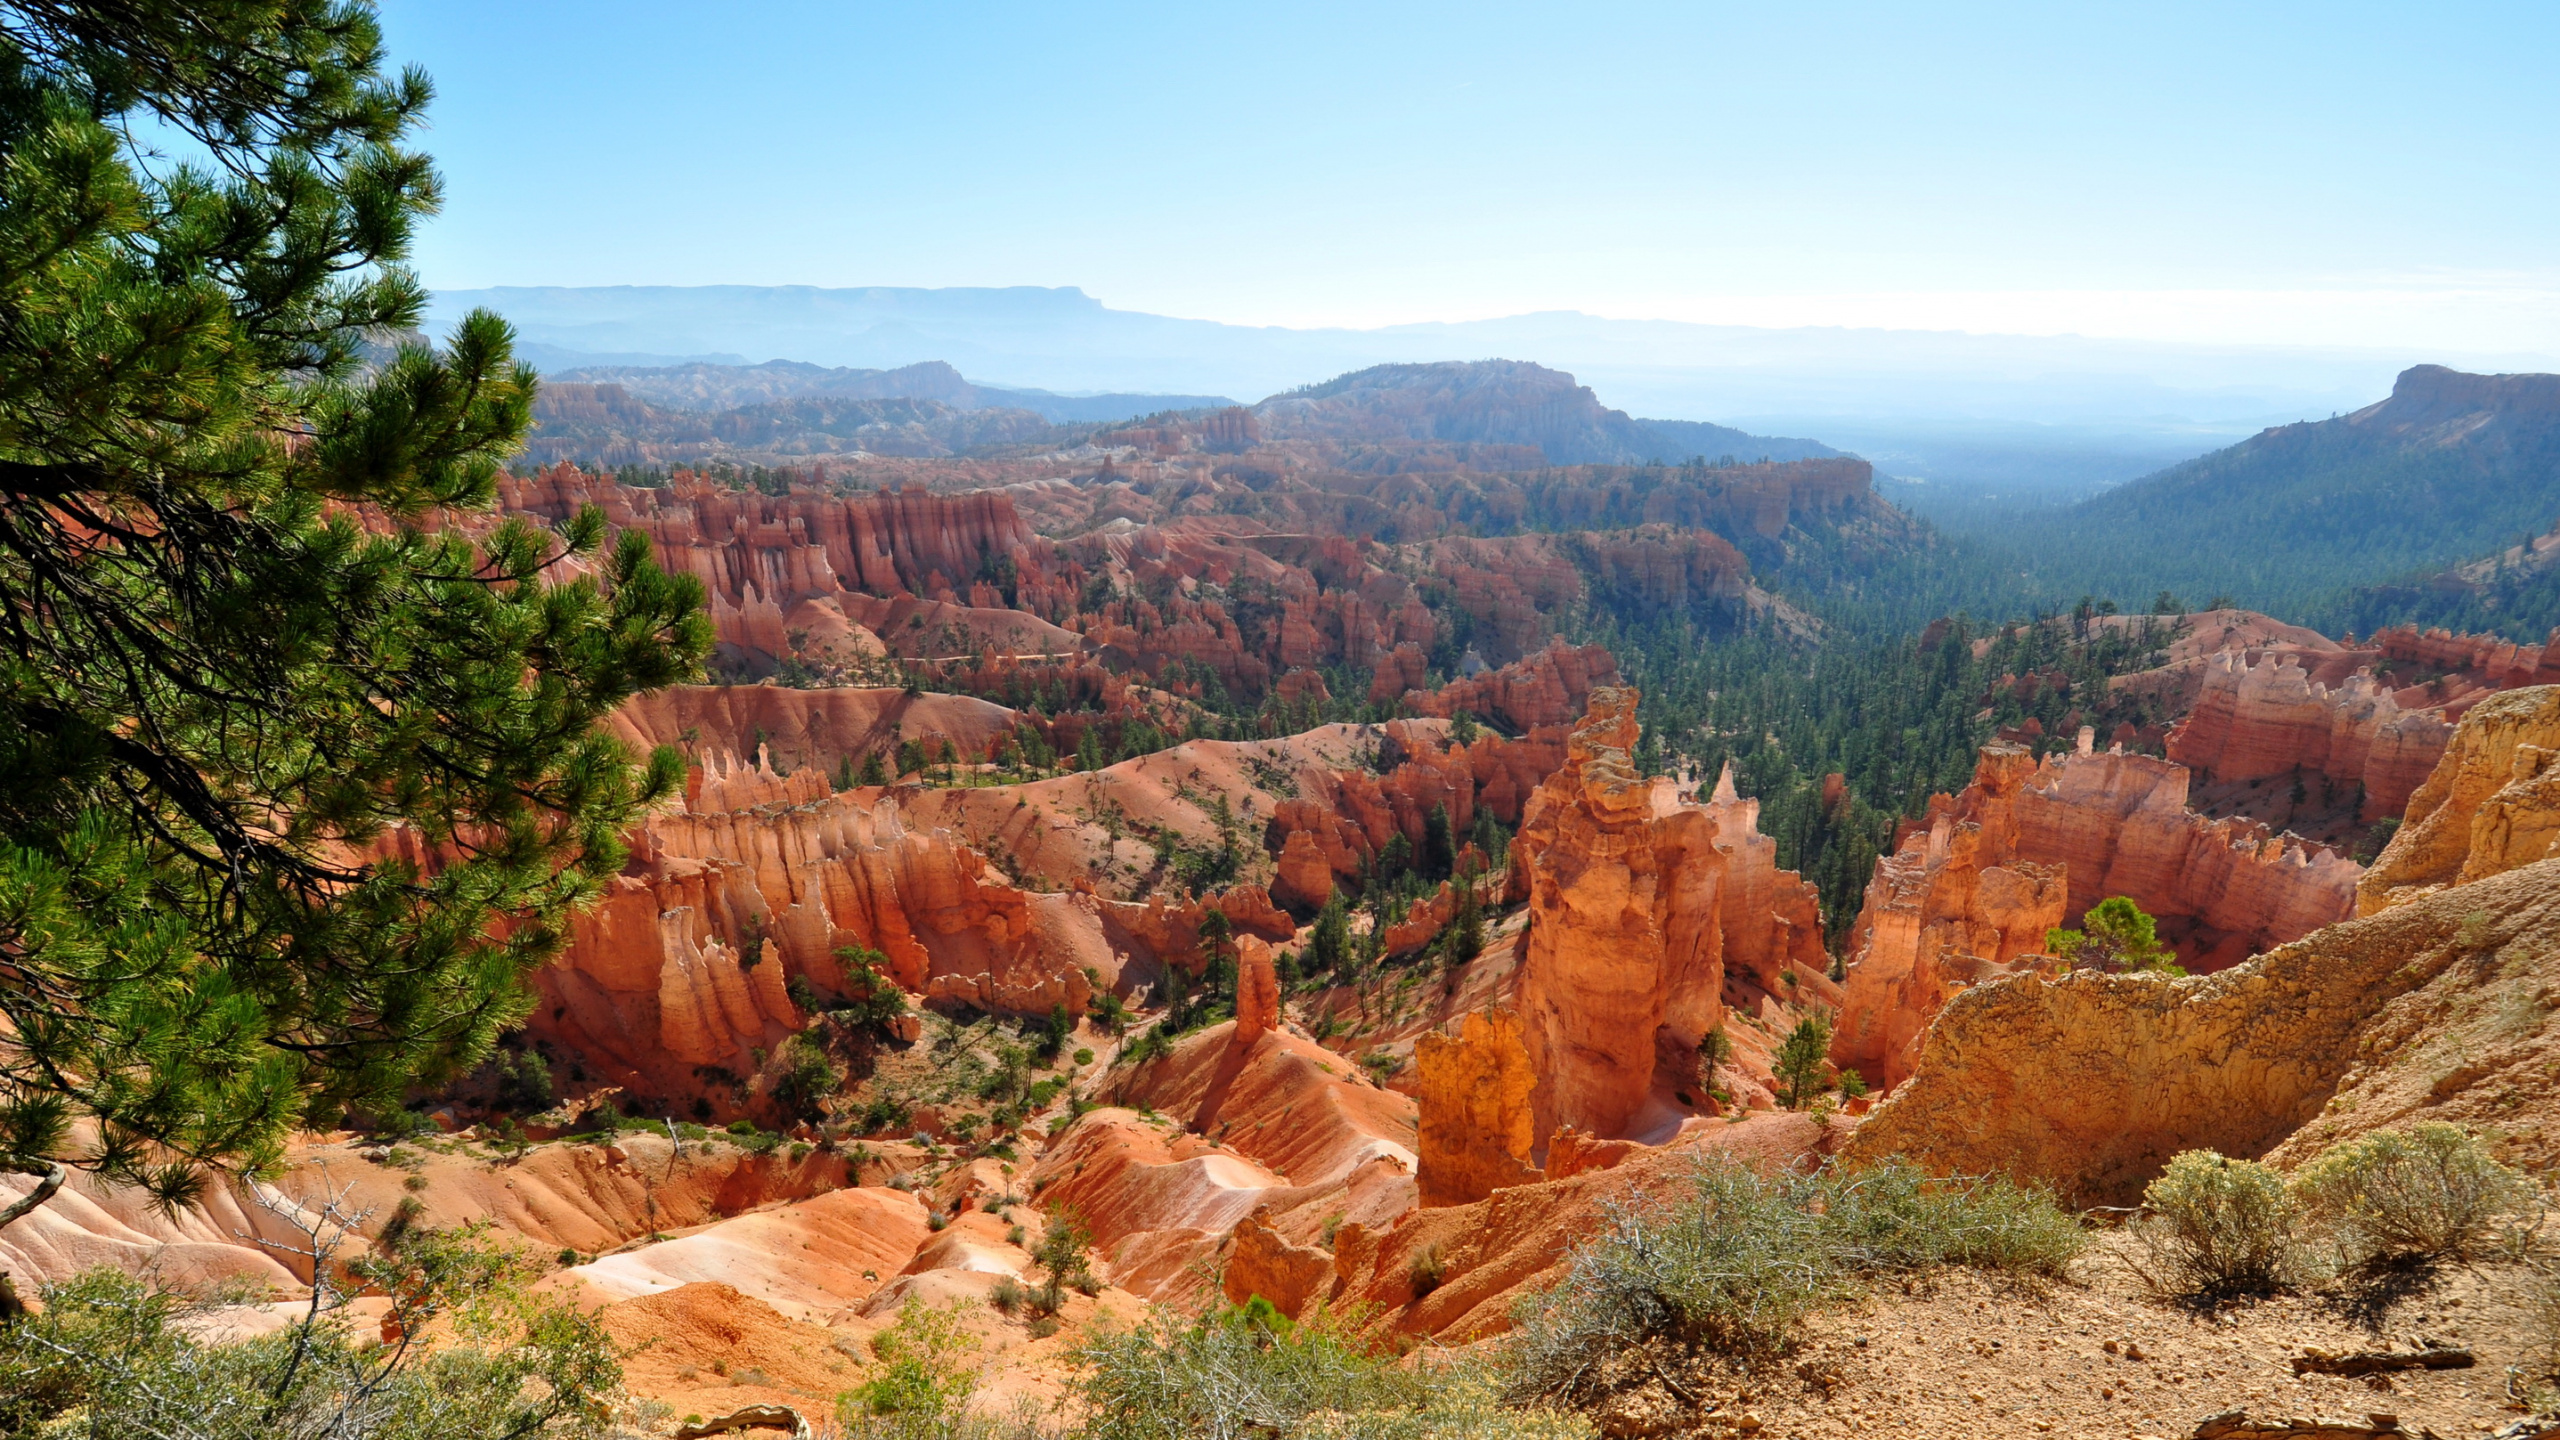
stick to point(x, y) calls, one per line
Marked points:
point(2217, 1226)
point(1226, 1376)
point(113, 1356)
point(1736, 1265)
point(925, 1374)
point(2430, 1190)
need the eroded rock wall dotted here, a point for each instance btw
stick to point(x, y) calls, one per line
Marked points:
point(2434, 1004)
point(2253, 722)
point(2120, 825)
point(2091, 1082)
point(2028, 846)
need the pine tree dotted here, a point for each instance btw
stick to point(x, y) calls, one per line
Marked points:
point(246, 688)
point(1802, 1060)
point(1439, 851)
point(1329, 946)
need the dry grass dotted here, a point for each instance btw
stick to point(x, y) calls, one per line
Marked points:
point(1735, 1266)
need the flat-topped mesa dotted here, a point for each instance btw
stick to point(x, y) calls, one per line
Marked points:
point(2255, 722)
point(1953, 906)
point(1629, 928)
point(2031, 845)
point(2491, 805)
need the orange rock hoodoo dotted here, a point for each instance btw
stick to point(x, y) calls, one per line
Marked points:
point(1629, 929)
point(1950, 908)
point(683, 968)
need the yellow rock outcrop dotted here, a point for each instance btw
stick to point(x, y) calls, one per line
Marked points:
point(1476, 1126)
point(2492, 804)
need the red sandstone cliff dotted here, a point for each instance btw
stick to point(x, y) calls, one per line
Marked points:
point(2090, 1082)
point(2025, 847)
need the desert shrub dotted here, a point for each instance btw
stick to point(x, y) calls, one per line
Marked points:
point(2430, 1190)
point(1228, 1375)
point(925, 1373)
point(1735, 1265)
point(1893, 1217)
point(1006, 1294)
point(2217, 1226)
point(2538, 1366)
point(1429, 1269)
point(111, 1355)
point(1246, 1371)
point(1466, 1405)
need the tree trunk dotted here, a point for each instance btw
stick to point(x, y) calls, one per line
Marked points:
point(53, 1178)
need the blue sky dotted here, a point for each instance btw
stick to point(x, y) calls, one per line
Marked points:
point(2299, 175)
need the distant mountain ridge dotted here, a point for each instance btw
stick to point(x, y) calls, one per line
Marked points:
point(1490, 415)
point(1504, 402)
point(607, 425)
point(707, 386)
point(2451, 466)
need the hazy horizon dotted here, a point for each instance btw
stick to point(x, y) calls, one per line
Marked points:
point(2189, 174)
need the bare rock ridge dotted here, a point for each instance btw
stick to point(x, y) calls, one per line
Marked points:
point(2090, 1081)
point(1492, 413)
point(1629, 929)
